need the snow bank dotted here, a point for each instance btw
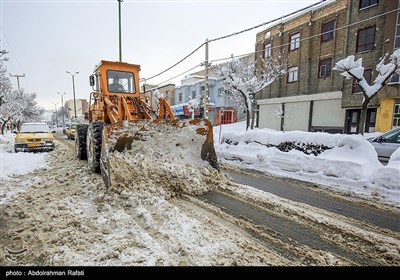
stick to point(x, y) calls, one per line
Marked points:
point(344, 162)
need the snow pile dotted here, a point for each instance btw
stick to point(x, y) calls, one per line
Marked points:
point(13, 164)
point(162, 159)
point(347, 163)
point(329, 149)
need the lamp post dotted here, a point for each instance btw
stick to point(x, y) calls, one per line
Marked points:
point(119, 29)
point(55, 111)
point(73, 88)
point(62, 105)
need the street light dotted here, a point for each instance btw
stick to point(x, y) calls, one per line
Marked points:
point(55, 111)
point(73, 88)
point(62, 105)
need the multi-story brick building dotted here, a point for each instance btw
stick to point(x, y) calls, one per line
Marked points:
point(312, 96)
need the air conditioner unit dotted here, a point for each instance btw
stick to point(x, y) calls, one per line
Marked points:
point(267, 35)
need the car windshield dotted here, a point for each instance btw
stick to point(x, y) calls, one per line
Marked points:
point(392, 136)
point(30, 128)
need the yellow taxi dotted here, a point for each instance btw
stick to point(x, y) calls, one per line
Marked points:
point(70, 130)
point(34, 137)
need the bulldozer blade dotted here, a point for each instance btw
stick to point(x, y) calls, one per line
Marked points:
point(169, 144)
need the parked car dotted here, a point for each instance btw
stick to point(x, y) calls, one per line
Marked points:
point(34, 137)
point(70, 130)
point(386, 144)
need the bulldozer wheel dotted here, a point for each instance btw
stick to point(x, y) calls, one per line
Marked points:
point(94, 145)
point(80, 140)
point(105, 164)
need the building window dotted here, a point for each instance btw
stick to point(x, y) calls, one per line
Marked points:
point(365, 39)
point(396, 115)
point(368, 78)
point(180, 97)
point(367, 3)
point(193, 94)
point(325, 68)
point(294, 41)
point(327, 31)
point(293, 73)
point(267, 50)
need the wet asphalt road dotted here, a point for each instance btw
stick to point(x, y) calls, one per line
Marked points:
point(296, 191)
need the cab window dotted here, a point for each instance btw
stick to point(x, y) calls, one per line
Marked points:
point(120, 82)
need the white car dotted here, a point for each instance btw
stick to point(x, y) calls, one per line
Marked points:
point(386, 144)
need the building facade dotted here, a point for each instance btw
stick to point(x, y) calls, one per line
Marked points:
point(81, 106)
point(311, 96)
point(167, 90)
point(222, 108)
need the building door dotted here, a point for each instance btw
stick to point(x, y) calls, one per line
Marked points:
point(353, 118)
point(371, 120)
point(226, 116)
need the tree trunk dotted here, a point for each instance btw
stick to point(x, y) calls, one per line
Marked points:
point(3, 127)
point(247, 118)
point(363, 116)
point(253, 112)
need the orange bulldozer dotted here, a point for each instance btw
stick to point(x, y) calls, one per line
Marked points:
point(120, 123)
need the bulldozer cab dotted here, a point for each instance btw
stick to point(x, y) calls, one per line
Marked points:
point(120, 81)
point(112, 77)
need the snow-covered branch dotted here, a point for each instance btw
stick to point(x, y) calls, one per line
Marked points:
point(242, 79)
point(352, 68)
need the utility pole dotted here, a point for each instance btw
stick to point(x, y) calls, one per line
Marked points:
point(205, 100)
point(120, 34)
point(62, 105)
point(55, 111)
point(18, 76)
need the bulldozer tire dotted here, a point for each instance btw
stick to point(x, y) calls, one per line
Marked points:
point(105, 164)
point(80, 140)
point(94, 145)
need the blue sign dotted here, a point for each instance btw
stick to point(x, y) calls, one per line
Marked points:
point(178, 111)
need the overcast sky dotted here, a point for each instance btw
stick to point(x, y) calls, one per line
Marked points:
point(46, 38)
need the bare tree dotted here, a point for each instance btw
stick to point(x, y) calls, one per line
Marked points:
point(19, 107)
point(244, 80)
point(354, 69)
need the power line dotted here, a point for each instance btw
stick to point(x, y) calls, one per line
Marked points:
point(161, 84)
point(310, 37)
point(11, 48)
point(176, 63)
point(236, 33)
point(268, 22)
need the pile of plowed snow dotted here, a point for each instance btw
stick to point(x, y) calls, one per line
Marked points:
point(161, 159)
